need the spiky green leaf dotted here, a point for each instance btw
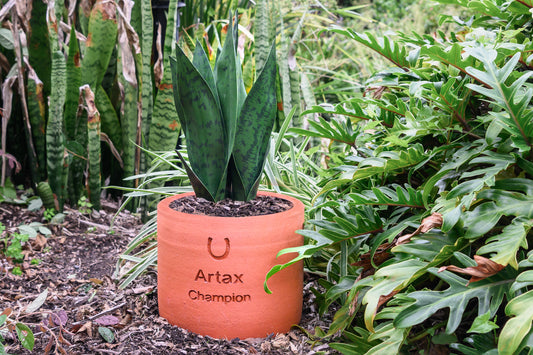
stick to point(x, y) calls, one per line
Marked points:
point(255, 123)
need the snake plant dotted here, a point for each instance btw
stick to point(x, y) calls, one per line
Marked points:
point(227, 130)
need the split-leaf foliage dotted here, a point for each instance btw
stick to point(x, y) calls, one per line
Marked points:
point(445, 133)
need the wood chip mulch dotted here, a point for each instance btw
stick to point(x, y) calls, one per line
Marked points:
point(77, 263)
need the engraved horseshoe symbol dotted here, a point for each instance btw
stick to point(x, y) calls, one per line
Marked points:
point(218, 257)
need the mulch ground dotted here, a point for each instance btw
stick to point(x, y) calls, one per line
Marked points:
point(84, 304)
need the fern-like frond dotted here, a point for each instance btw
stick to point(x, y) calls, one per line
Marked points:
point(513, 98)
point(400, 196)
point(387, 48)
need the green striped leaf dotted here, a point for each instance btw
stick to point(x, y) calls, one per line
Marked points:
point(110, 124)
point(255, 124)
point(145, 79)
point(129, 130)
point(100, 43)
point(73, 87)
point(84, 13)
point(203, 123)
point(130, 68)
point(164, 129)
point(37, 112)
point(94, 154)
point(230, 85)
point(54, 128)
point(74, 126)
point(262, 34)
point(40, 56)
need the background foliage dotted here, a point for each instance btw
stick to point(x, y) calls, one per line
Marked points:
point(416, 166)
point(428, 179)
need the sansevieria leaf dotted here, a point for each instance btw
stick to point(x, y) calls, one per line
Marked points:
point(227, 131)
point(230, 85)
point(100, 43)
point(252, 136)
point(203, 125)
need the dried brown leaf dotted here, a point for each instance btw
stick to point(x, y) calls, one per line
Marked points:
point(48, 347)
point(385, 298)
point(7, 312)
point(380, 256)
point(39, 242)
point(61, 350)
point(124, 321)
point(485, 268)
point(96, 281)
point(87, 327)
point(428, 223)
point(63, 340)
point(158, 65)
point(107, 320)
point(125, 36)
point(59, 318)
point(145, 289)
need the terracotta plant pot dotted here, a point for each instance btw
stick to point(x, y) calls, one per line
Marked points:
point(211, 271)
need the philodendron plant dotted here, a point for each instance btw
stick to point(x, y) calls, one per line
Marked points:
point(227, 131)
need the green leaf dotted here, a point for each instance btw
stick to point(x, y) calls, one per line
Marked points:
point(107, 334)
point(389, 162)
point(401, 197)
point(54, 128)
point(514, 99)
point(518, 327)
point(505, 246)
point(255, 124)
point(6, 39)
point(455, 298)
point(202, 64)
point(25, 336)
point(100, 43)
point(356, 343)
point(482, 324)
point(482, 219)
point(230, 85)
point(391, 339)
point(388, 279)
point(480, 344)
point(203, 124)
point(510, 203)
point(452, 55)
point(433, 247)
point(384, 46)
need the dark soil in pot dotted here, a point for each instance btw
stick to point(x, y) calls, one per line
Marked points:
point(261, 205)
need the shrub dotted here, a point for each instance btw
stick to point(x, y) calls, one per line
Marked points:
point(424, 218)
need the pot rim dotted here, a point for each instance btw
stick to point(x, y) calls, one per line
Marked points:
point(297, 208)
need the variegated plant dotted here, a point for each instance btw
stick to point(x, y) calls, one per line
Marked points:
point(227, 130)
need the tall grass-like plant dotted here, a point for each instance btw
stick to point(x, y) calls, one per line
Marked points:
point(424, 220)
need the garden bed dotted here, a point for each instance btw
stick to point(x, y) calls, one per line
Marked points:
point(76, 266)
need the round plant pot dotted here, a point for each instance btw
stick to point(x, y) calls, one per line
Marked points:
point(211, 271)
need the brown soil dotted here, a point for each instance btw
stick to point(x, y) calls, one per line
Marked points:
point(76, 267)
point(259, 206)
